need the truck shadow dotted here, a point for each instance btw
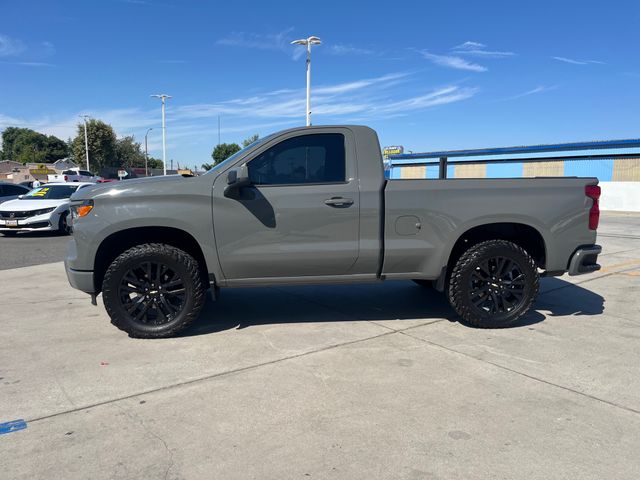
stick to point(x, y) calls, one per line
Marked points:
point(396, 301)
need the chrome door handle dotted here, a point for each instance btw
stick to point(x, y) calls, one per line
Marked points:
point(338, 202)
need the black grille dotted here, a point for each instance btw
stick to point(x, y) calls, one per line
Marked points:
point(15, 215)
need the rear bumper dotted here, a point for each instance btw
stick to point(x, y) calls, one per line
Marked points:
point(585, 260)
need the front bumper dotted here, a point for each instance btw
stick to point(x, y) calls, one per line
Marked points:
point(80, 279)
point(584, 260)
point(37, 223)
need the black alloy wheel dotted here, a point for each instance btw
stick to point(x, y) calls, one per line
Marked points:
point(152, 293)
point(497, 285)
point(493, 284)
point(153, 290)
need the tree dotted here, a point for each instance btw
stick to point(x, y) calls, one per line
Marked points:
point(26, 145)
point(154, 163)
point(208, 166)
point(129, 152)
point(248, 141)
point(224, 151)
point(102, 145)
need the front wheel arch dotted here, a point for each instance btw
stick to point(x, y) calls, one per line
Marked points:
point(120, 241)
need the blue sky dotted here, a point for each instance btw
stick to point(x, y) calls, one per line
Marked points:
point(428, 75)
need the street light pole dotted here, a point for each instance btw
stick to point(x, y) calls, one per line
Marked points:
point(86, 140)
point(308, 42)
point(163, 97)
point(146, 153)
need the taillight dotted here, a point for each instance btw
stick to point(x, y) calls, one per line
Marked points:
point(593, 192)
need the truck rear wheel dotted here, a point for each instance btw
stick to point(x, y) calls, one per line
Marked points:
point(153, 291)
point(493, 284)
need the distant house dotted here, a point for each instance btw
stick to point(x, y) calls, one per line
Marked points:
point(16, 172)
point(63, 164)
point(8, 165)
point(8, 168)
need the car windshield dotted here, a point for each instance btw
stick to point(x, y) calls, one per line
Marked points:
point(239, 153)
point(52, 192)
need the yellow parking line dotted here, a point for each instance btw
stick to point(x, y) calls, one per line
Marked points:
point(618, 265)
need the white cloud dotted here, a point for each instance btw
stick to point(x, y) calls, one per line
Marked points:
point(275, 41)
point(35, 64)
point(371, 96)
point(365, 99)
point(339, 49)
point(578, 62)
point(450, 61)
point(48, 48)
point(10, 46)
point(533, 91)
point(469, 46)
point(479, 50)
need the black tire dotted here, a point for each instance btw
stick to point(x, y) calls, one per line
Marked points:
point(153, 291)
point(9, 234)
point(493, 284)
point(63, 224)
point(424, 283)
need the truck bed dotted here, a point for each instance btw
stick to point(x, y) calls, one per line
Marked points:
point(424, 218)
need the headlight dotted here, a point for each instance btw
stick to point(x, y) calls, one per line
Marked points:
point(81, 208)
point(42, 211)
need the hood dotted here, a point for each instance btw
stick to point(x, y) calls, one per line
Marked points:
point(28, 205)
point(150, 184)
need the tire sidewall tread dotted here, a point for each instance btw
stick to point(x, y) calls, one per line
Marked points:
point(194, 301)
point(457, 291)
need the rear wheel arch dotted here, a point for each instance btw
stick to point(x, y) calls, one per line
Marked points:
point(120, 241)
point(525, 236)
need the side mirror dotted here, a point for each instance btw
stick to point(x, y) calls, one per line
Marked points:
point(236, 179)
point(20, 197)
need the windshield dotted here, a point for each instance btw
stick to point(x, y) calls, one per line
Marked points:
point(239, 153)
point(53, 192)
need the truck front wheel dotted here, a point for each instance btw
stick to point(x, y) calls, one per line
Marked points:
point(153, 291)
point(493, 284)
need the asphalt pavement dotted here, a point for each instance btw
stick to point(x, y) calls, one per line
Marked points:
point(32, 248)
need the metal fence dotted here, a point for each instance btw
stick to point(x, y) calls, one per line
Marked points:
point(617, 164)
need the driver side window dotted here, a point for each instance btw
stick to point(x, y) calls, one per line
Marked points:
point(316, 158)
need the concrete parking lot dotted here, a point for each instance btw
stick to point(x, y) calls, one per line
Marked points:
point(369, 381)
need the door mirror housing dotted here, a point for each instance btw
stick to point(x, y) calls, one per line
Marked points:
point(236, 179)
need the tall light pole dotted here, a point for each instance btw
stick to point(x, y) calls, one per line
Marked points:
point(86, 140)
point(308, 42)
point(163, 97)
point(146, 153)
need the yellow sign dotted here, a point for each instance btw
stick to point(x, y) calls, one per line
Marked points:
point(41, 170)
point(396, 150)
point(40, 193)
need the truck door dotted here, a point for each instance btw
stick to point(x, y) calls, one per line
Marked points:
point(299, 216)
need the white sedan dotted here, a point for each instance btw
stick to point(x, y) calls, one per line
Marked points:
point(44, 208)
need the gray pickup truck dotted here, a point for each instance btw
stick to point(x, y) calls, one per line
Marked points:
point(311, 205)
